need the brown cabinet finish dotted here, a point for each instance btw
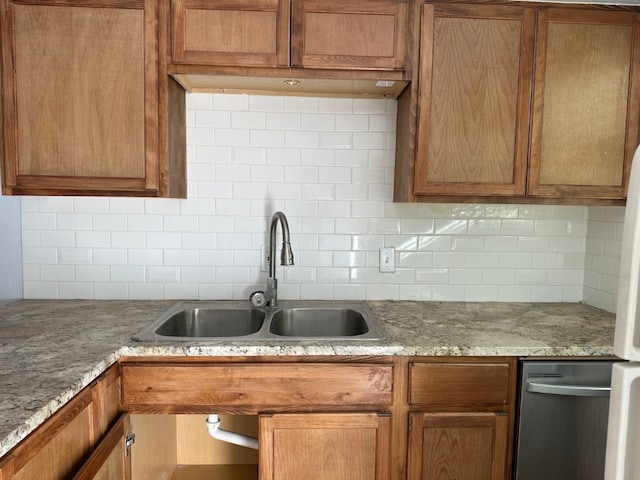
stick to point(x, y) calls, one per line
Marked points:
point(586, 113)
point(352, 446)
point(539, 105)
point(110, 460)
point(451, 383)
point(253, 388)
point(461, 418)
point(473, 101)
point(368, 35)
point(252, 33)
point(311, 34)
point(59, 448)
point(464, 446)
point(83, 106)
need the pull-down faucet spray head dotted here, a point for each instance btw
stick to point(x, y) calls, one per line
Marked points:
point(270, 296)
point(286, 255)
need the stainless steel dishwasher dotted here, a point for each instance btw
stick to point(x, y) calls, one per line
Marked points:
point(564, 408)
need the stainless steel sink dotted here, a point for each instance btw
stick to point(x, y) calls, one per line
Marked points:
point(318, 322)
point(289, 321)
point(212, 322)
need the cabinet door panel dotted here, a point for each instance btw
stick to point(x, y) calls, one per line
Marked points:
point(80, 89)
point(110, 460)
point(472, 126)
point(237, 33)
point(585, 122)
point(460, 446)
point(56, 450)
point(324, 446)
point(353, 35)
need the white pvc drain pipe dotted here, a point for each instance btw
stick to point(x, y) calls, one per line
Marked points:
point(213, 426)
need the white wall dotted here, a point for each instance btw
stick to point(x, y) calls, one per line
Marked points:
point(10, 249)
point(328, 164)
point(602, 265)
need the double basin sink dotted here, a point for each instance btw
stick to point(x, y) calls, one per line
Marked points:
point(225, 320)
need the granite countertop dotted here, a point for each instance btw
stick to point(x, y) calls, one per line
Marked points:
point(51, 349)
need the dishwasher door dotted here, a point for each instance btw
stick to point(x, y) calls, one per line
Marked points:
point(564, 408)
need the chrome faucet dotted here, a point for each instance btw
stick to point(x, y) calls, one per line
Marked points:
point(269, 297)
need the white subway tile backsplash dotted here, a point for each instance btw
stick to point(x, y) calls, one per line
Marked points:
point(75, 290)
point(162, 274)
point(60, 273)
point(517, 227)
point(267, 138)
point(283, 121)
point(266, 103)
point(39, 255)
point(346, 191)
point(38, 221)
point(363, 106)
point(335, 105)
point(92, 273)
point(75, 256)
point(352, 123)
point(301, 104)
point(59, 238)
point(94, 205)
point(210, 119)
point(144, 223)
point(451, 227)
point(369, 140)
point(485, 227)
point(335, 140)
point(111, 291)
point(110, 256)
point(328, 163)
point(301, 139)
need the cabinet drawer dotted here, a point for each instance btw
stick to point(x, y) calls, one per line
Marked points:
point(252, 388)
point(459, 383)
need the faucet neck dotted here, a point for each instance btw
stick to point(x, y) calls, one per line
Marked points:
point(286, 257)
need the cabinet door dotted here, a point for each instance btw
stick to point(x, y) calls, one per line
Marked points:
point(110, 460)
point(324, 446)
point(56, 450)
point(460, 446)
point(475, 82)
point(251, 33)
point(586, 110)
point(80, 90)
point(360, 34)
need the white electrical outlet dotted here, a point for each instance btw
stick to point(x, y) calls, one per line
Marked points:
point(264, 259)
point(387, 260)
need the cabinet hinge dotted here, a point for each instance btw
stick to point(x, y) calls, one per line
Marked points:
point(129, 440)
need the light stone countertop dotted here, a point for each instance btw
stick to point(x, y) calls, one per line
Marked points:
point(51, 349)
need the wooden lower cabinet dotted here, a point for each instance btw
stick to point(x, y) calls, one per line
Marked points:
point(348, 418)
point(59, 448)
point(325, 446)
point(461, 446)
point(461, 418)
point(111, 458)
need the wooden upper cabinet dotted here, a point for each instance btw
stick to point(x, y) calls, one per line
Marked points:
point(363, 34)
point(521, 103)
point(325, 34)
point(81, 99)
point(251, 33)
point(473, 104)
point(586, 109)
